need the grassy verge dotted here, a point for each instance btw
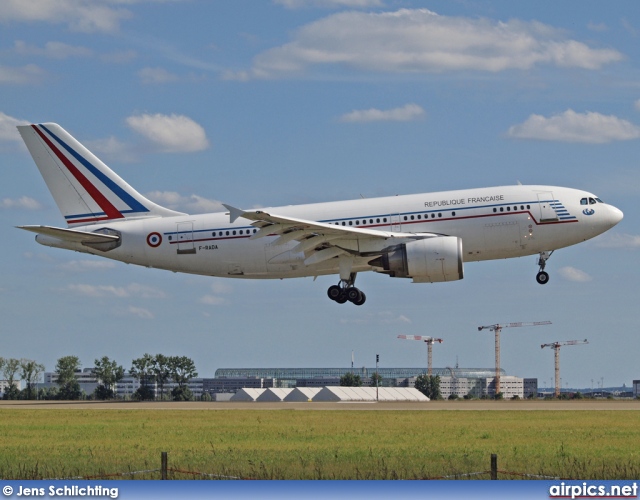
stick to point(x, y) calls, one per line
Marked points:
point(319, 444)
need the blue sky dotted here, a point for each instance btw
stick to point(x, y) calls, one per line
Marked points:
point(294, 101)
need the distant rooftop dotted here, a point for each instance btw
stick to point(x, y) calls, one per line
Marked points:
point(301, 373)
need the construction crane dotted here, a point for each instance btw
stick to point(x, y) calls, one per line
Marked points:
point(556, 347)
point(497, 329)
point(430, 341)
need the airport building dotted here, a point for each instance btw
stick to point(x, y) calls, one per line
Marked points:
point(4, 385)
point(470, 382)
point(321, 377)
point(636, 388)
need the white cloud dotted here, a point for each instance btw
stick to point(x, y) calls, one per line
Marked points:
point(80, 15)
point(618, 240)
point(409, 112)
point(8, 130)
point(172, 133)
point(140, 312)
point(54, 50)
point(218, 288)
point(570, 126)
point(212, 300)
point(191, 204)
point(156, 75)
point(573, 274)
point(80, 266)
point(113, 149)
point(419, 41)
point(129, 291)
point(24, 202)
point(333, 4)
point(20, 75)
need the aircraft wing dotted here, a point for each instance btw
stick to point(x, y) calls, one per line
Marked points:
point(314, 237)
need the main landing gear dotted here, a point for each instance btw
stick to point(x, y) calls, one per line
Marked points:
point(345, 290)
point(543, 277)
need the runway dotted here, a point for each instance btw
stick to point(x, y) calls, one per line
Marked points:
point(476, 405)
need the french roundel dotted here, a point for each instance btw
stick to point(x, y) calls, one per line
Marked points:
point(154, 239)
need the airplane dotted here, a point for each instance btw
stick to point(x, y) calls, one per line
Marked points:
point(424, 237)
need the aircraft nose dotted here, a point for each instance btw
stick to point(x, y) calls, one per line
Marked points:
point(615, 215)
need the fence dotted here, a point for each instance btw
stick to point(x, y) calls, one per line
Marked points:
point(164, 471)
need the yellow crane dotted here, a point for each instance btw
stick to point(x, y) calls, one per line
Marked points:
point(497, 329)
point(429, 341)
point(556, 347)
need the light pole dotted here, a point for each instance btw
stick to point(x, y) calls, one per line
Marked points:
point(377, 377)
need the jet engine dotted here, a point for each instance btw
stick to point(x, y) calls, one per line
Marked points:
point(426, 261)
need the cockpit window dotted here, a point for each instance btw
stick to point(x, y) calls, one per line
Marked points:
point(592, 201)
point(599, 200)
point(584, 201)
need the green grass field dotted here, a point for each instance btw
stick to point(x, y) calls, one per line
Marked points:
point(287, 444)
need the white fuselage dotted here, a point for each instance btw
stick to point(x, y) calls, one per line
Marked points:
point(493, 223)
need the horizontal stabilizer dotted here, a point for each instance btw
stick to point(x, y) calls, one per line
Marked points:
point(103, 239)
point(70, 235)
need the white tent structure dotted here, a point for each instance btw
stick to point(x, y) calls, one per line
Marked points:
point(335, 394)
point(302, 394)
point(273, 395)
point(247, 394)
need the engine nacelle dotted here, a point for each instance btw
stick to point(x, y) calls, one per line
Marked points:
point(426, 261)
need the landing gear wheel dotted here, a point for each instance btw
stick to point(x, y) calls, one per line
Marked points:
point(353, 294)
point(542, 277)
point(345, 290)
point(334, 292)
point(361, 300)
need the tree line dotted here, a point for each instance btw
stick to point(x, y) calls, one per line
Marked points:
point(158, 370)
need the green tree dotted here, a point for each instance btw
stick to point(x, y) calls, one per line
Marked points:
point(181, 369)
point(376, 377)
point(429, 385)
point(9, 369)
point(108, 373)
point(66, 368)
point(142, 369)
point(350, 380)
point(161, 371)
point(30, 373)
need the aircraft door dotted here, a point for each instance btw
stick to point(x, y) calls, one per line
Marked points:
point(545, 202)
point(395, 223)
point(185, 238)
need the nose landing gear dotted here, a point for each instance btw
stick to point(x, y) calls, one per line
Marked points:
point(346, 291)
point(543, 277)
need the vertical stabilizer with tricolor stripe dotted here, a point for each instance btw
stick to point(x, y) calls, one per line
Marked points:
point(85, 189)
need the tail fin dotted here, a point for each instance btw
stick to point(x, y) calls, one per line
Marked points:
point(85, 189)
